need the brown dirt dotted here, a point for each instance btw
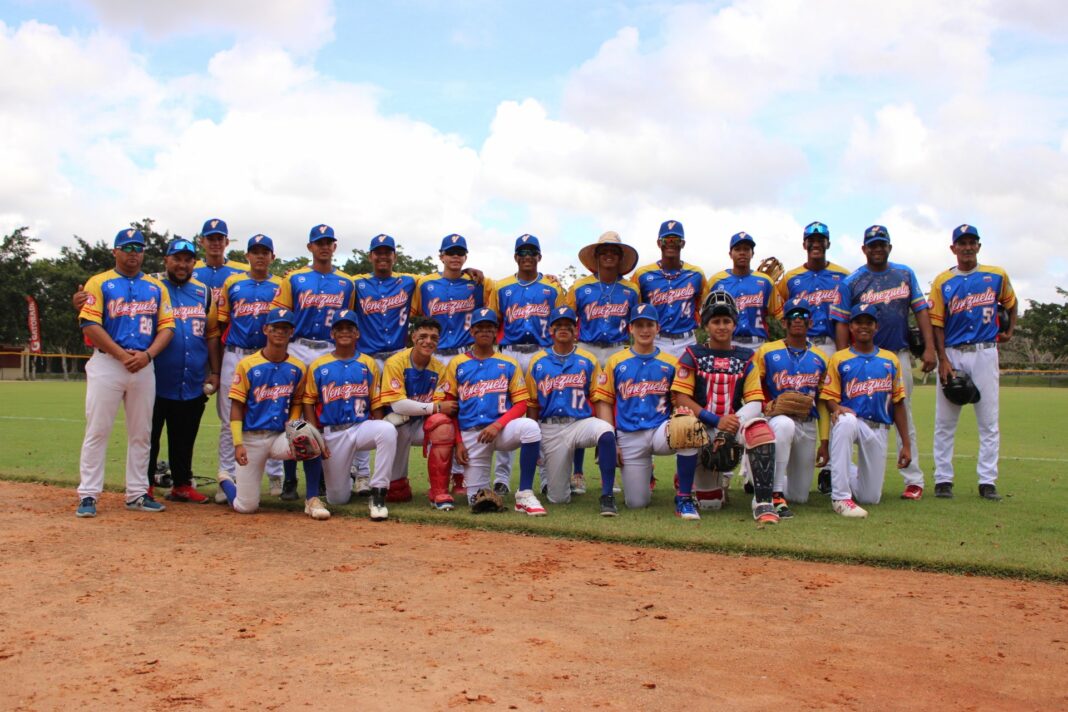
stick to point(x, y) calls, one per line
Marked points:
point(275, 611)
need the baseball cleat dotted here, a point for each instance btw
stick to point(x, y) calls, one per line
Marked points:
point(314, 508)
point(912, 492)
point(399, 491)
point(781, 506)
point(502, 488)
point(848, 508)
point(527, 502)
point(944, 490)
point(458, 486)
point(989, 492)
point(144, 503)
point(685, 508)
point(608, 505)
point(275, 484)
point(186, 493)
point(361, 486)
point(578, 483)
point(823, 481)
point(445, 505)
point(764, 513)
point(377, 504)
point(289, 491)
point(86, 508)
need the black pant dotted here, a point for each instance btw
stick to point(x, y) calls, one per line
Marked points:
point(183, 422)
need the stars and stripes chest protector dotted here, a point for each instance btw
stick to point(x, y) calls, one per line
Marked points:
point(718, 376)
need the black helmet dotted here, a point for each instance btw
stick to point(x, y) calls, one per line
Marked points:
point(960, 389)
point(719, 303)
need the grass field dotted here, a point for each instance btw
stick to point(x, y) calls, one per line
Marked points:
point(1025, 536)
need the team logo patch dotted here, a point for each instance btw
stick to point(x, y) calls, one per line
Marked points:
point(394, 383)
point(322, 229)
point(90, 300)
point(237, 378)
point(602, 379)
point(775, 357)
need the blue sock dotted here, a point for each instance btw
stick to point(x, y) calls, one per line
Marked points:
point(687, 466)
point(290, 469)
point(229, 489)
point(528, 462)
point(606, 460)
point(313, 477)
point(580, 461)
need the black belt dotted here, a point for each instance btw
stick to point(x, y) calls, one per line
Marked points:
point(338, 428)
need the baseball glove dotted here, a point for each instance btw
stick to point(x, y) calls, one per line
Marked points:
point(486, 500)
point(685, 431)
point(772, 267)
point(916, 342)
point(792, 403)
point(305, 442)
point(723, 454)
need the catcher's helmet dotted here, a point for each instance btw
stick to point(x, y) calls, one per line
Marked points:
point(719, 303)
point(961, 390)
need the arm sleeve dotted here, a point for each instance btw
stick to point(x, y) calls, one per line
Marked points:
point(415, 409)
point(518, 410)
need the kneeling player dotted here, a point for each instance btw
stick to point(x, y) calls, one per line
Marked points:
point(342, 395)
point(266, 393)
point(709, 385)
point(559, 380)
point(864, 393)
point(492, 400)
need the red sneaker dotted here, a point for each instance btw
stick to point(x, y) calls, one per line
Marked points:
point(912, 492)
point(186, 493)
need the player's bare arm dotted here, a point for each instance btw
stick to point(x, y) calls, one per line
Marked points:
point(237, 417)
point(929, 358)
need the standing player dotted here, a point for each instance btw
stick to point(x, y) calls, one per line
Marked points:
point(894, 289)
point(244, 302)
point(754, 293)
point(127, 318)
point(816, 282)
point(864, 395)
point(964, 305)
point(675, 288)
point(560, 380)
point(342, 396)
point(215, 269)
point(267, 392)
point(492, 401)
point(603, 299)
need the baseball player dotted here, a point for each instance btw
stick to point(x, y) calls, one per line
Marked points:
point(342, 396)
point(675, 288)
point(127, 318)
point(267, 392)
point(244, 302)
point(382, 305)
point(895, 290)
point(792, 366)
point(215, 269)
point(754, 292)
point(603, 300)
point(633, 391)
point(560, 380)
point(409, 381)
point(865, 395)
point(816, 282)
point(964, 317)
point(492, 401)
point(315, 295)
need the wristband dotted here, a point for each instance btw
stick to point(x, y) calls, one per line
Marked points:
point(237, 430)
point(148, 356)
point(708, 417)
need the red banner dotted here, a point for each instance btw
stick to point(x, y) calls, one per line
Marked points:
point(33, 320)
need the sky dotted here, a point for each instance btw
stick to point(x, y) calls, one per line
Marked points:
point(563, 119)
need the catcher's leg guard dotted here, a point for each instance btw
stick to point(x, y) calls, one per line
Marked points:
point(399, 491)
point(759, 441)
point(439, 441)
point(708, 489)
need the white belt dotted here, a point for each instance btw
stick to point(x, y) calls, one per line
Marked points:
point(981, 346)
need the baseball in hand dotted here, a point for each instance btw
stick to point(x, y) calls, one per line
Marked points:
point(208, 389)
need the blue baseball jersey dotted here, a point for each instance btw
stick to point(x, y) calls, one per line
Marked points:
point(342, 390)
point(819, 288)
point(524, 309)
point(677, 295)
point(272, 392)
point(895, 291)
point(638, 386)
point(966, 305)
point(131, 309)
point(182, 367)
point(402, 379)
point(485, 388)
point(243, 306)
point(450, 302)
point(562, 385)
point(778, 368)
point(215, 277)
point(754, 295)
point(315, 298)
point(714, 378)
point(382, 308)
point(868, 384)
point(603, 310)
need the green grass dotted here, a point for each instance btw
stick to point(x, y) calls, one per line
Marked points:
point(1024, 536)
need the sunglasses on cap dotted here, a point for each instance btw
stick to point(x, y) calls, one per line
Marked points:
point(817, 229)
point(133, 247)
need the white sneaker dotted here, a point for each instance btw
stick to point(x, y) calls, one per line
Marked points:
point(361, 486)
point(275, 484)
point(578, 483)
point(527, 502)
point(315, 509)
point(377, 504)
point(848, 508)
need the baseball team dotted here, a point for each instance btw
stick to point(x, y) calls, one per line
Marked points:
point(322, 368)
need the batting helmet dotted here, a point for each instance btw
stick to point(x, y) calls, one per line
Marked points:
point(719, 303)
point(960, 389)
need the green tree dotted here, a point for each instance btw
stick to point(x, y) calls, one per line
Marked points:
point(16, 282)
point(360, 263)
point(1041, 335)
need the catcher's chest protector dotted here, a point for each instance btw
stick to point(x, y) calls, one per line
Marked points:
point(718, 378)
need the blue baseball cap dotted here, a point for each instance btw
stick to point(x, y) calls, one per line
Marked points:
point(321, 232)
point(382, 240)
point(215, 226)
point(484, 315)
point(129, 236)
point(278, 315)
point(818, 229)
point(260, 241)
point(450, 241)
point(527, 241)
point(345, 315)
point(560, 313)
point(180, 244)
point(739, 238)
point(965, 231)
point(644, 311)
point(671, 227)
point(864, 310)
point(875, 233)
point(797, 305)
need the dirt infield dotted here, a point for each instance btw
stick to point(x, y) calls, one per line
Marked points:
point(201, 607)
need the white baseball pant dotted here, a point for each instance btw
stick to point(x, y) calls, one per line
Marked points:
point(863, 484)
point(362, 460)
point(377, 435)
point(502, 472)
point(983, 366)
point(912, 474)
point(222, 406)
point(636, 450)
point(558, 444)
point(108, 384)
point(307, 353)
point(602, 353)
point(260, 445)
point(477, 472)
point(795, 452)
point(409, 435)
point(674, 346)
